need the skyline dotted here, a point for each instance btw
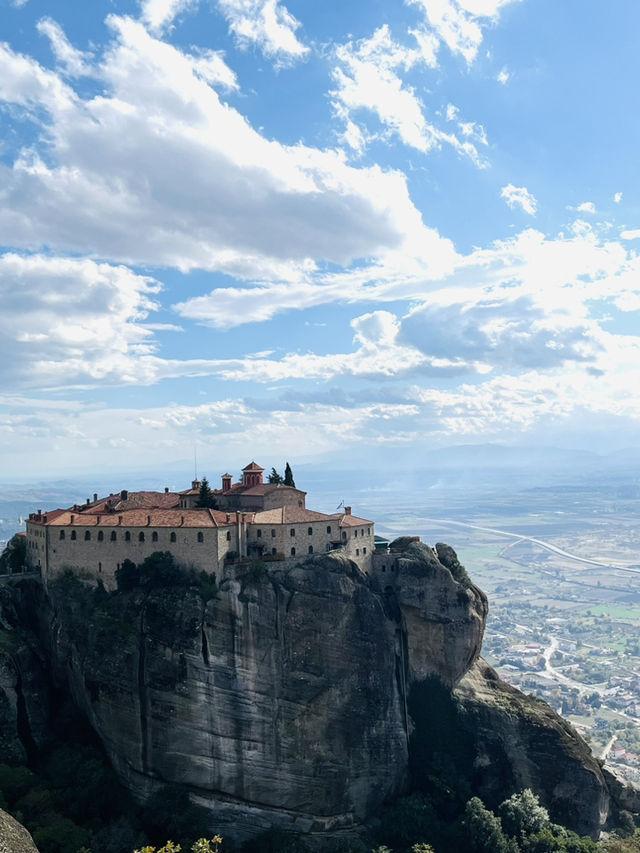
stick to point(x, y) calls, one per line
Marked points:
point(267, 230)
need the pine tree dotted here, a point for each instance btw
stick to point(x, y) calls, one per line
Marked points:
point(206, 497)
point(288, 476)
point(274, 477)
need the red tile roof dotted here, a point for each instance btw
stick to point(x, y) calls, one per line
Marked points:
point(252, 466)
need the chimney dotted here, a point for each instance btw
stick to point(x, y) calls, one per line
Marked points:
point(39, 512)
point(166, 490)
point(347, 510)
point(88, 501)
point(119, 519)
point(195, 484)
point(124, 494)
point(72, 519)
point(95, 497)
point(228, 518)
point(181, 520)
point(148, 520)
point(226, 482)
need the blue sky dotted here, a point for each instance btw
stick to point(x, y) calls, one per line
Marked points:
point(280, 229)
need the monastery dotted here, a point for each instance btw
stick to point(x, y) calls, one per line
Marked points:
point(252, 520)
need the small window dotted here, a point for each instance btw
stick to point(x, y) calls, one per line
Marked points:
point(200, 536)
point(173, 537)
point(141, 536)
point(259, 534)
point(87, 535)
point(357, 552)
point(228, 536)
point(73, 534)
point(384, 568)
point(114, 536)
point(293, 552)
point(100, 536)
point(311, 549)
point(327, 547)
point(355, 532)
point(310, 531)
point(344, 534)
point(368, 531)
point(274, 552)
point(61, 534)
point(292, 532)
point(154, 536)
point(364, 550)
point(99, 567)
point(273, 533)
point(127, 536)
point(328, 528)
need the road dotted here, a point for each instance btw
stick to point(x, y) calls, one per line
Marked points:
point(540, 542)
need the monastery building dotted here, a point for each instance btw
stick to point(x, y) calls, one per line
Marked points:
point(252, 520)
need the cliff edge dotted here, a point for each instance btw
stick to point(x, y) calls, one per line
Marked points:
point(298, 697)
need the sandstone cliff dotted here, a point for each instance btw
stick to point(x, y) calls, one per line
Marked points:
point(292, 697)
point(14, 838)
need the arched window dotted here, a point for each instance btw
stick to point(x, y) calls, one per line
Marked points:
point(292, 532)
point(357, 552)
point(127, 536)
point(355, 532)
point(293, 552)
point(87, 535)
point(172, 538)
point(73, 534)
point(61, 534)
point(364, 550)
point(200, 536)
point(141, 536)
point(311, 549)
point(100, 536)
point(154, 536)
point(310, 531)
point(114, 536)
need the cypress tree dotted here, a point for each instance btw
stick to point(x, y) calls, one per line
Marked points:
point(206, 498)
point(288, 476)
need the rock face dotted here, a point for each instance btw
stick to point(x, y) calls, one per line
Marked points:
point(519, 742)
point(285, 699)
point(14, 838)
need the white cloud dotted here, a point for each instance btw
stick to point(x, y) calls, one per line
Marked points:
point(459, 23)
point(632, 234)
point(74, 62)
point(70, 320)
point(586, 207)
point(158, 14)
point(617, 198)
point(267, 24)
point(519, 197)
point(174, 176)
point(503, 76)
point(368, 78)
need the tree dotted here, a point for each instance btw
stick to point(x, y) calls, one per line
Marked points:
point(522, 814)
point(206, 498)
point(288, 476)
point(483, 829)
point(127, 576)
point(274, 478)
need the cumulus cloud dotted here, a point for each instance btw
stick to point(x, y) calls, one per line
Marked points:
point(268, 25)
point(498, 331)
point(72, 61)
point(459, 23)
point(617, 198)
point(67, 320)
point(586, 207)
point(158, 14)
point(519, 197)
point(503, 76)
point(171, 175)
point(630, 234)
point(368, 78)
